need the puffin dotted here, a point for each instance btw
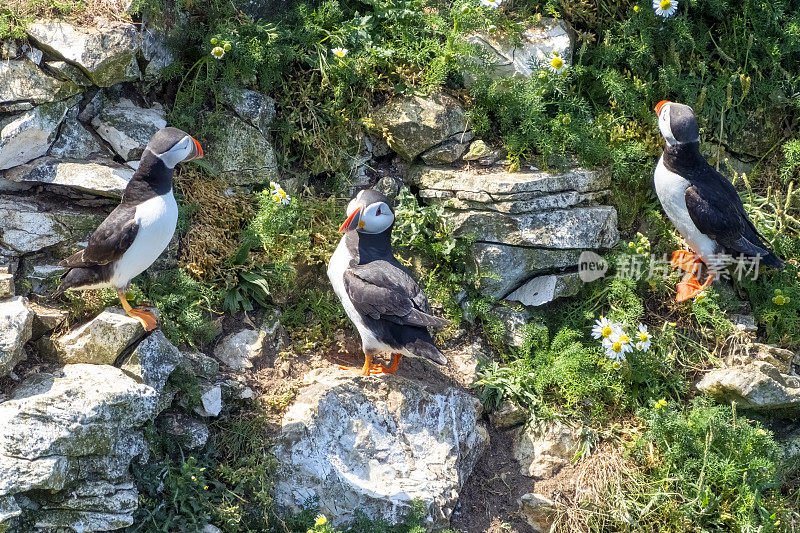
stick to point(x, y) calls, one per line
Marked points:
point(387, 307)
point(132, 237)
point(701, 203)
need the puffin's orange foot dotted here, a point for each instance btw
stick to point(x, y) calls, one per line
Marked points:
point(146, 317)
point(688, 289)
point(685, 260)
point(371, 369)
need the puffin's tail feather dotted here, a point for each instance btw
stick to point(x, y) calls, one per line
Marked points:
point(767, 256)
point(772, 260)
point(75, 278)
point(419, 342)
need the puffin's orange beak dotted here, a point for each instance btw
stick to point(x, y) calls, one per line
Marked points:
point(660, 105)
point(197, 151)
point(351, 222)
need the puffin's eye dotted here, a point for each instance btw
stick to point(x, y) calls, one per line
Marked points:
point(378, 212)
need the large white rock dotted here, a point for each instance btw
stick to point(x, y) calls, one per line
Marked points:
point(23, 81)
point(72, 436)
point(153, 360)
point(502, 56)
point(101, 340)
point(375, 444)
point(760, 386)
point(127, 127)
point(106, 52)
point(103, 177)
point(16, 322)
point(27, 226)
point(255, 108)
point(29, 135)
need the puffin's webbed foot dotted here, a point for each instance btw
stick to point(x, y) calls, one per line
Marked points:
point(689, 288)
point(685, 260)
point(145, 316)
point(371, 369)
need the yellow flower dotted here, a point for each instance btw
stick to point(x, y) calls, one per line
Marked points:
point(557, 64)
point(218, 52)
point(320, 521)
point(227, 47)
point(340, 52)
point(660, 404)
point(636, 8)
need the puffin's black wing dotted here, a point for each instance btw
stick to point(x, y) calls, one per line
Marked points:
point(382, 290)
point(716, 209)
point(109, 241)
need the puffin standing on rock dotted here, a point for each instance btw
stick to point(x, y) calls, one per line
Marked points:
point(383, 301)
point(132, 237)
point(701, 203)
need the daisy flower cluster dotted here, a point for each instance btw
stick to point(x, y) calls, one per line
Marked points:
point(220, 48)
point(616, 341)
point(339, 52)
point(278, 194)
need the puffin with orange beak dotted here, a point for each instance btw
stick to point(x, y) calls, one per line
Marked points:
point(702, 204)
point(384, 302)
point(132, 237)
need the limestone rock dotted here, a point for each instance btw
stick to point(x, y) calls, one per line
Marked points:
point(101, 340)
point(27, 226)
point(539, 511)
point(74, 141)
point(580, 227)
point(46, 318)
point(23, 81)
point(515, 322)
point(127, 127)
point(66, 443)
point(502, 268)
point(210, 400)
point(786, 361)
point(154, 48)
point(199, 364)
point(255, 108)
point(237, 350)
point(493, 186)
point(68, 72)
point(414, 124)
point(508, 415)
point(542, 450)
point(244, 156)
point(188, 430)
point(102, 177)
point(16, 323)
point(376, 444)
point(448, 151)
point(6, 285)
point(107, 53)
point(29, 135)
point(152, 361)
point(759, 386)
point(502, 57)
point(544, 289)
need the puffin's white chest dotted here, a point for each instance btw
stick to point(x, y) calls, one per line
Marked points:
point(671, 191)
point(340, 261)
point(157, 218)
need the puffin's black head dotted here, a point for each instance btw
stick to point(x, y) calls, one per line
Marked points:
point(172, 146)
point(677, 123)
point(369, 212)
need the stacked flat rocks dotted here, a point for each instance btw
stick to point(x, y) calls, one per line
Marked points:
point(529, 227)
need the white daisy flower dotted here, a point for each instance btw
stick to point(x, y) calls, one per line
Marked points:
point(602, 329)
point(494, 4)
point(279, 195)
point(665, 8)
point(557, 64)
point(643, 339)
point(618, 346)
point(340, 52)
point(218, 52)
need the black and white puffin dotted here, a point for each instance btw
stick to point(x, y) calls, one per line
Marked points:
point(701, 203)
point(132, 237)
point(384, 302)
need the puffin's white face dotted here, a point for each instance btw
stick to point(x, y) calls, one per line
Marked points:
point(185, 149)
point(663, 125)
point(677, 123)
point(374, 218)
